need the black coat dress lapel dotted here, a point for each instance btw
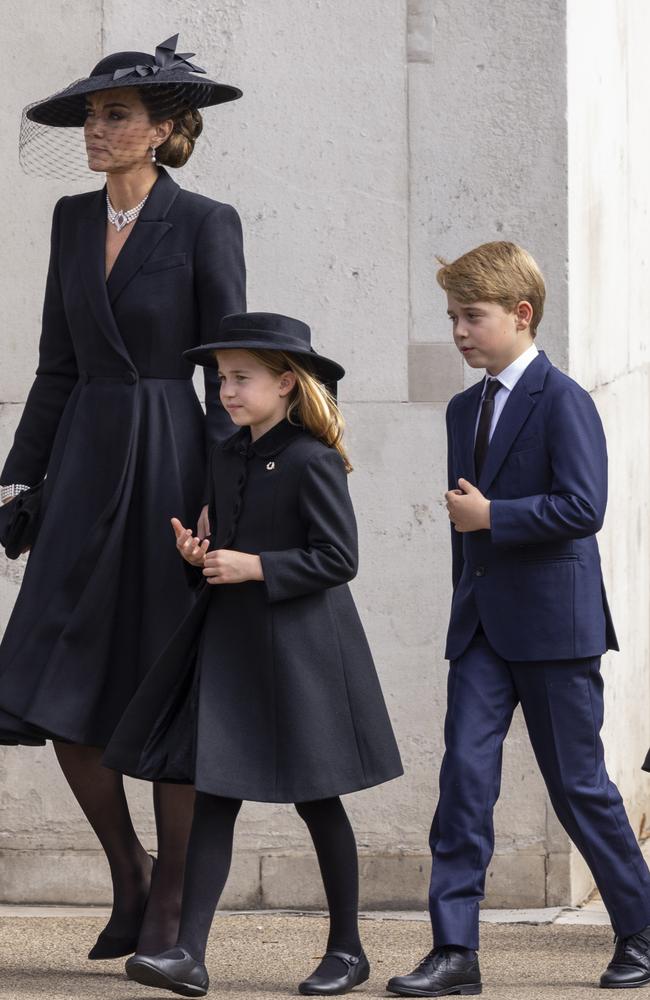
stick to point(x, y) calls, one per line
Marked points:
point(91, 255)
point(148, 230)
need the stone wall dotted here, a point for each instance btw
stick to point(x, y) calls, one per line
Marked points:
point(609, 345)
point(371, 137)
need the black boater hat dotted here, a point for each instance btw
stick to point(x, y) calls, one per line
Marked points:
point(260, 331)
point(165, 68)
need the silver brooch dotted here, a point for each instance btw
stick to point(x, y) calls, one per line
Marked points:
point(270, 466)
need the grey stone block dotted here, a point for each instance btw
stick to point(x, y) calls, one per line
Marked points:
point(43, 876)
point(243, 888)
point(516, 881)
point(435, 372)
point(393, 882)
point(400, 882)
point(421, 21)
point(82, 877)
point(291, 882)
point(558, 879)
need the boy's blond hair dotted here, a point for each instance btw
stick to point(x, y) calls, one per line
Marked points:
point(495, 272)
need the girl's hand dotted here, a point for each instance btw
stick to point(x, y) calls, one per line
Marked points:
point(192, 549)
point(203, 527)
point(228, 566)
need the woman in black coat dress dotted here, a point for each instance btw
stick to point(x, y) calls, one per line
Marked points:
point(139, 272)
point(268, 690)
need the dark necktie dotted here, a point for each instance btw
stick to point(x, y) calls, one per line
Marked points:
point(484, 424)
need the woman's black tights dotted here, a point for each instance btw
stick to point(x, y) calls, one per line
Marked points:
point(210, 853)
point(146, 906)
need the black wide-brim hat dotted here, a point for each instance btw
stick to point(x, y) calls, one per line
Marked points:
point(261, 331)
point(165, 68)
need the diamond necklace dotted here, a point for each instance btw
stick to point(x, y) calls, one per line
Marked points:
point(121, 219)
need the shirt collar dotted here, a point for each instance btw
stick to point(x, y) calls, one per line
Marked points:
point(511, 375)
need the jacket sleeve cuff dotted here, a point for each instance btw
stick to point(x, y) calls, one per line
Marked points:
point(497, 525)
point(272, 578)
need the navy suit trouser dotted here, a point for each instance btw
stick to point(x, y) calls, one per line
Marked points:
point(562, 703)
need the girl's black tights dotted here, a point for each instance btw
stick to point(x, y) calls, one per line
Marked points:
point(208, 863)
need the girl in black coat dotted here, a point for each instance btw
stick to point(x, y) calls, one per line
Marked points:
point(138, 272)
point(268, 690)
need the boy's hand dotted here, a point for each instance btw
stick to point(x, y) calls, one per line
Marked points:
point(468, 509)
point(193, 550)
point(228, 566)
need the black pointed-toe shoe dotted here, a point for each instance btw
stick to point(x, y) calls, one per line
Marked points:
point(109, 945)
point(630, 964)
point(354, 971)
point(173, 970)
point(441, 973)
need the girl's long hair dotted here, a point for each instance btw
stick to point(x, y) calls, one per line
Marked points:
point(311, 404)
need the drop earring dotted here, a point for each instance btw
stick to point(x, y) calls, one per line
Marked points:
point(153, 154)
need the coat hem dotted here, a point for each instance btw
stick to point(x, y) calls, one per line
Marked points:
point(42, 733)
point(248, 794)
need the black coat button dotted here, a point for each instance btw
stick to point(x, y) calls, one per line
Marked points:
point(479, 571)
point(84, 377)
point(130, 378)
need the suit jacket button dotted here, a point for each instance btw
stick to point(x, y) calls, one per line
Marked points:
point(83, 377)
point(130, 378)
point(479, 571)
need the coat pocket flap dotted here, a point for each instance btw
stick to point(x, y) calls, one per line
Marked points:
point(526, 443)
point(164, 263)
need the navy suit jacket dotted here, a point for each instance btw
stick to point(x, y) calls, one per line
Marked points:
point(534, 580)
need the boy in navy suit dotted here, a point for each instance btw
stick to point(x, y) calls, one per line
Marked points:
point(529, 620)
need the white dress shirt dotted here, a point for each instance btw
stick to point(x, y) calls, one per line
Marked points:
point(508, 379)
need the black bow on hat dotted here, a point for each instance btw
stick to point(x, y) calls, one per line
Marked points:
point(166, 57)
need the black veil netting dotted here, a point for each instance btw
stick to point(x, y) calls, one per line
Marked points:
point(54, 131)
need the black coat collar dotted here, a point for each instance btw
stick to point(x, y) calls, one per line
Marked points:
point(268, 445)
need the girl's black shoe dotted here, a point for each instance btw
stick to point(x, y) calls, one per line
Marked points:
point(173, 970)
point(354, 971)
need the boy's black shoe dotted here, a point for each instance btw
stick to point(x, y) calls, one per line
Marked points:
point(630, 965)
point(354, 971)
point(442, 972)
point(173, 970)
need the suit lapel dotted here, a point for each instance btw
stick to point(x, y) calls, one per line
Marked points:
point(148, 230)
point(521, 402)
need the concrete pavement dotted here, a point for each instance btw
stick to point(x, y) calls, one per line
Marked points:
point(264, 955)
point(554, 953)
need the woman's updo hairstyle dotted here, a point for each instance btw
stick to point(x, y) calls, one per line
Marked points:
point(162, 103)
